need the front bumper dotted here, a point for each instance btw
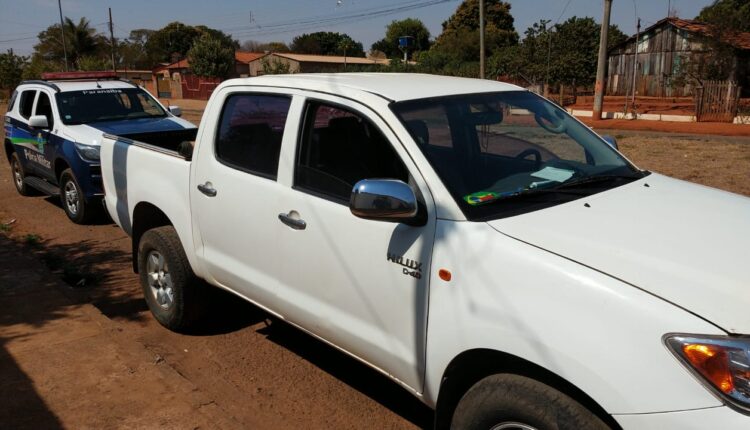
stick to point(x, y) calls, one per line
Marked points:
point(720, 417)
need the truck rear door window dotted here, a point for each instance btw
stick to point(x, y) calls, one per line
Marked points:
point(27, 103)
point(250, 132)
point(338, 149)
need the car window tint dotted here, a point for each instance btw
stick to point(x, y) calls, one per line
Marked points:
point(250, 132)
point(27, 103)
point(340, 148)
point(44, 107)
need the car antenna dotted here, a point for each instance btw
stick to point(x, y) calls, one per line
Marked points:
point(97, 83)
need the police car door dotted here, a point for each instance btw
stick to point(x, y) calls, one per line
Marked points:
point(45, 137)
point(22, 137)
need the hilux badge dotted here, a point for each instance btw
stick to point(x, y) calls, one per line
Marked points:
point(411, 267)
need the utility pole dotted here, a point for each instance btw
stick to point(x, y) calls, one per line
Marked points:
point(481, 39)
point(62, 31)
point(112, 39)
point(601, 64)
point(635, 61)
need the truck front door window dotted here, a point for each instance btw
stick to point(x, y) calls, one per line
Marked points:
point(340, 148)
point(250, 132)
point(44, 107)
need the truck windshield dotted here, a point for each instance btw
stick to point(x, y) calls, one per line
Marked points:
point(506, 153)
point(110, 104)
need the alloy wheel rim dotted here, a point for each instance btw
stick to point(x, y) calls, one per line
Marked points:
point(71, 197)
point(17, 175)
point(159, 279)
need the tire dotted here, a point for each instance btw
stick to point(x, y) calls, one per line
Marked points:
point(507, 401)
point(73, 201)
point(16, 169)
point(172, 291)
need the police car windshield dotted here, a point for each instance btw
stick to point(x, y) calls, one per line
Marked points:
point(110, 104)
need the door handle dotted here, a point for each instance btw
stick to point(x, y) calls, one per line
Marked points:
point(294, 223)
point(207, 189)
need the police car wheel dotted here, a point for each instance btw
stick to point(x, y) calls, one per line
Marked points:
point(18, 176)
point(172, 291)
point(72, 199)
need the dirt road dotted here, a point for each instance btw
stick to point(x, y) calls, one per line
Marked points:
point(252, 375)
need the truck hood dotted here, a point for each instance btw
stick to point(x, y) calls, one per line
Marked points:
point(685, 243)
point(91, 134)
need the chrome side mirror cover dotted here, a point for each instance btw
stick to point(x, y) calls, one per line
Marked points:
point(175, 110)
point(611, 141)
point(383, 199)
point(38, 121)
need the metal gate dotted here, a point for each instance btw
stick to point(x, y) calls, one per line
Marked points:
point(717, 101)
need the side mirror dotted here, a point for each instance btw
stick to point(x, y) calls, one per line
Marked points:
point(383, 200)
point(611, 140)
point(175, 110)
point(38, 121)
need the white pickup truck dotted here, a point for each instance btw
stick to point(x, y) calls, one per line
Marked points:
point(467, 238)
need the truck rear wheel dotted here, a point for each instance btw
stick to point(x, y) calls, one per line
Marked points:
point(507, 401)
point(18, 176)
point(73, 201)
point(169, 285)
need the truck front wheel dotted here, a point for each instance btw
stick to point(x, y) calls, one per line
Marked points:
point(514, 402)
point(73, 202)
point(169, 285)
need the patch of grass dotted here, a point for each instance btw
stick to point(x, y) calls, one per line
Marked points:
point(5, 227)
point(32, 239)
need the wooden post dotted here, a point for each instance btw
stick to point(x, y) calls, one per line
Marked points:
point(601, 65)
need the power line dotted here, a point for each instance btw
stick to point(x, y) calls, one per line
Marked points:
point(304, 24)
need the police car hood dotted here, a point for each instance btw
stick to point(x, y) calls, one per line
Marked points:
point(683, 242)
point(91, 134)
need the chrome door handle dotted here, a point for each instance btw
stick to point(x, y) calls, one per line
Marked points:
point(294, 223)
point(207, 189)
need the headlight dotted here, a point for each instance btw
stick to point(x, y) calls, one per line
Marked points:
point(722, 362)
point(88, 152)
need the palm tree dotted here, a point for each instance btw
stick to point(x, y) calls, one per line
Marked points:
point(81, 39)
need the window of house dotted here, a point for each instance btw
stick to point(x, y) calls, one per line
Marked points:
point(250, 132)
point(339, 148)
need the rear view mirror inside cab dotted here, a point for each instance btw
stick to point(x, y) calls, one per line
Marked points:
point(485, 114)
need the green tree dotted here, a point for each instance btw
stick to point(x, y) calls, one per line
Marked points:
point(731, 15)
point(255, 46)
point(80, 40)
point(209, 56)
point(405, 27)
point(132, 51)
point(326, 43)
point(173, 40)
point(456, 49)
point(564, 53)
point(11, 69)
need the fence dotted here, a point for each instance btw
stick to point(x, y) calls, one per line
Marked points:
point(198, 87)
point(717, 101)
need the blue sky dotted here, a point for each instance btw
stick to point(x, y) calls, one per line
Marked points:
point(259, 20)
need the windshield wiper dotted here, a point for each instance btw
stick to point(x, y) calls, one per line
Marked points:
point(536, 192)
point(596, 179)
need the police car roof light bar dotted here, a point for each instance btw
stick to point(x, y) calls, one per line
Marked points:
point(63, 76)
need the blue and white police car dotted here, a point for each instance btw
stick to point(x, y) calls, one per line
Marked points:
point(53, 128)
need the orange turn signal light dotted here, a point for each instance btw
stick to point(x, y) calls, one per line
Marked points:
point(445, 274)
point(712, 362)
